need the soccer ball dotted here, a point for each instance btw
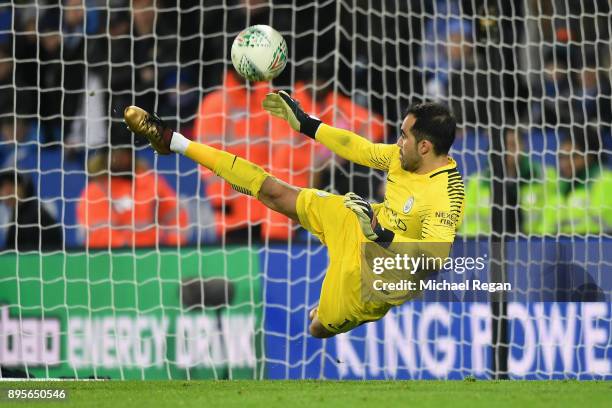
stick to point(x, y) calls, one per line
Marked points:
point(259, 53)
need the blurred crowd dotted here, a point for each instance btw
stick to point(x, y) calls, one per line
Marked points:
point(68, 69)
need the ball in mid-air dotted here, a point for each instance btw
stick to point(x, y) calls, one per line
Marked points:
point(259, 53)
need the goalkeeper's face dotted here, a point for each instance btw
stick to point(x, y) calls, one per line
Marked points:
point(410, 157)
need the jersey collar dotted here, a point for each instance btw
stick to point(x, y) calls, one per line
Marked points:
point(452, 164)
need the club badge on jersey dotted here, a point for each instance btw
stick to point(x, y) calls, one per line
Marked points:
point(408, 205)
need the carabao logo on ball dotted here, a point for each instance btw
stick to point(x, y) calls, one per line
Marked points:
point(259, 53)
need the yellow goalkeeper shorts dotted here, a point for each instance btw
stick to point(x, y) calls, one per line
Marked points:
point(341, 307)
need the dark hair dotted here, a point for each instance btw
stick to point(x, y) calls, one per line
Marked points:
point(518, 129)
point(584, 139)
point(11, 176)
point(434, 122)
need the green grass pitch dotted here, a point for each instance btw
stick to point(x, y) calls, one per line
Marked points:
point(297, 394)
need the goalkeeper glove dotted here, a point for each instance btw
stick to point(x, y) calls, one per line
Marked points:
point(367, 220)
point(285, 107)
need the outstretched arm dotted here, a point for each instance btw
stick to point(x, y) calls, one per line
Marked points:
point(344, 143)
point(355, 148)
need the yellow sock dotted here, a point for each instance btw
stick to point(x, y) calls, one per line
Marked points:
point(244, 176)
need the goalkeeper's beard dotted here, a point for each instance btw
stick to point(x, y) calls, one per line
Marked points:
point(411, 163)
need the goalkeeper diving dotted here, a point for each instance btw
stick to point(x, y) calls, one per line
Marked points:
point(423, 199)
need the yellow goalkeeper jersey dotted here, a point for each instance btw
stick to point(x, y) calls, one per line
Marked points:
point(417, 207)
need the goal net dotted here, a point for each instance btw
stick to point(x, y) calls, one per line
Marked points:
point(119, 263)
